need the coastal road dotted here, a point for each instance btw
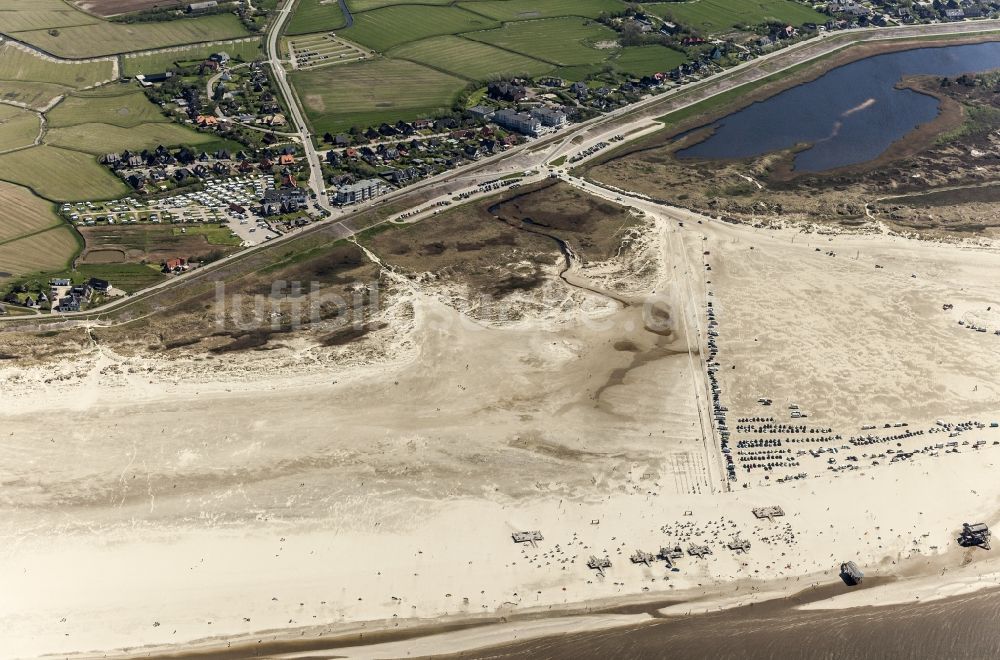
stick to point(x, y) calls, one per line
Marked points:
point(316, 182)
point(537, 153)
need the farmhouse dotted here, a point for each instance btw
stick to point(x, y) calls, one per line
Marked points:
point(196, 7)
point(147, 80)
point(175, 265)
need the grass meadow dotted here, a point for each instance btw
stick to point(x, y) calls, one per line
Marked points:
point(382, 29)
point(369, 92)
point(563, 41)
point(245, 50)
point(107, 38)
point(711, 17)
point(471, 60)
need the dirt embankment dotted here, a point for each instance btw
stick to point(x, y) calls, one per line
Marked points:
point(107, 8)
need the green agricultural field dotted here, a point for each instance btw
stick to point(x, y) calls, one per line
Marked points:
point(244, 50)
point(18, 127)
point(33, 213)
point(382, 29)
point(711, 17)
point(125, 107)
point(472, 60)
point(647, 60)
point(18, 15)
point(373, 91)
point(106, 38)
point(315, 16)
point(114, 119)
point(364, 5)
point(60, 174)
point(214, 234)
point(34, 95)
point(99, 139)
point(21, 65)
point(49, 250)
point(563, 41)
point(519, 10)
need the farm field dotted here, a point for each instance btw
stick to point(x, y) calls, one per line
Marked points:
point(114, 119)
point(711, 17)
point(472, 60)
point(31, 94)
point(338, 97)
point(244, 50)
point(518, 10)
point(45, 251)
point(213, 234)
point(106, 38)
point(33, 213)
point(315, 16)
point(365, 5)
point(60, 174)
point(563, 41)
point(647, 60)
point(18, 127)
point(382, 29)
point(99, 139)
point(113, 7)
point(21, 65)
point(132, 244)
point(120, 106)
point(39, 15)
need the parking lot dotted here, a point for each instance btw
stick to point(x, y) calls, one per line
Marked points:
point(235, 201)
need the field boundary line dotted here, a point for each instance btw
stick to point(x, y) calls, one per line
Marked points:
point(58, 225)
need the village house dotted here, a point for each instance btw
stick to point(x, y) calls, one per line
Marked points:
point(283, 200)
point(175, 265)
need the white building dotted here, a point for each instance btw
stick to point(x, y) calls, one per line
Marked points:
point(359, 192)
point(518, 121)
point(549, 117)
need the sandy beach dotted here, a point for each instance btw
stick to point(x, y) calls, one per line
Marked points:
point(154, 506)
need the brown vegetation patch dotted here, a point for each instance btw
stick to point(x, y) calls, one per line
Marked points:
point(468, 245)
point(145, 244)
point(591, 226)
point(115, 7)
point(351, 334)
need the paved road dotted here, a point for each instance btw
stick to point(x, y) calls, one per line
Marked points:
point(348, 16)
point(316, 182)
point(535, 154)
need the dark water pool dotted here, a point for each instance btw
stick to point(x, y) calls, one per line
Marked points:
point(849, 115)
